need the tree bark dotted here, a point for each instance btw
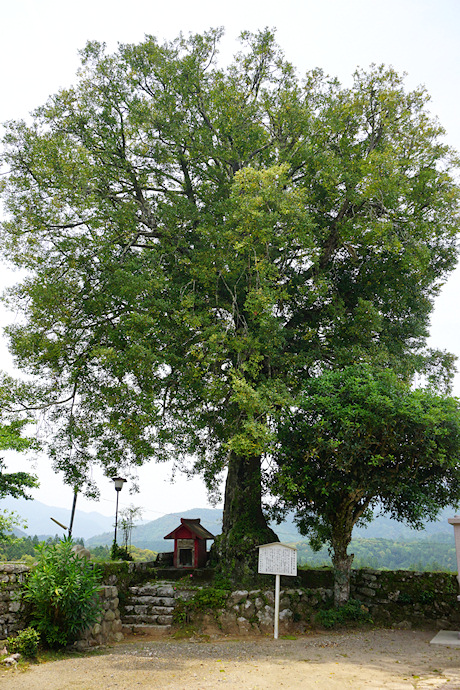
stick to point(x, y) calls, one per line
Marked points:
point(244, 525)
point(341, 561)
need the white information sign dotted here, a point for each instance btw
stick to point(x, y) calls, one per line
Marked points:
point(277, 559)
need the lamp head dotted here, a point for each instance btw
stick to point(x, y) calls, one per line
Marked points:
point(118, 481)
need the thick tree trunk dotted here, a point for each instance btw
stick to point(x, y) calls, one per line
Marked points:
point(342, 574)
point(341, 562)
point(244, 525)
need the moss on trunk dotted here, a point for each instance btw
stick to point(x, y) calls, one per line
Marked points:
point(244, 525)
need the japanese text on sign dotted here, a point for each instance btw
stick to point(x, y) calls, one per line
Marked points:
point(277, 559)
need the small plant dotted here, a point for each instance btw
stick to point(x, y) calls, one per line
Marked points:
point(62, 592)
point(26, 643)
point(351, 611)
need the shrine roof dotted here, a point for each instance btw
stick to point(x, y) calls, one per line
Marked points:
point(194, 526)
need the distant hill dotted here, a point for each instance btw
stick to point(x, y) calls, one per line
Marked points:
point(385, 528)
point(37, 516)
point(97, 529)
point(151, 534)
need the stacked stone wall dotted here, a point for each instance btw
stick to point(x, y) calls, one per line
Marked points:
point(108, 627)
point(399, 598)
point(12, 609)
point(402, 599)
point(12, 576)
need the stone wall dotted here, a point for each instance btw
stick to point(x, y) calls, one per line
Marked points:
point(108, 627)
point(401, 598)
point(12, 575)
point(406, 597)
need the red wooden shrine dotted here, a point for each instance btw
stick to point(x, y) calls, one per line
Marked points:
point(190, 544)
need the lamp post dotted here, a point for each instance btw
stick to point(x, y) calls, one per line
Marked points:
point(118, 481)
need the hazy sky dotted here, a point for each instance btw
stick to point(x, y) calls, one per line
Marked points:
point(39, 43)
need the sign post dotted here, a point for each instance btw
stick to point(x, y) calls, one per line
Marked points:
point(277, 559)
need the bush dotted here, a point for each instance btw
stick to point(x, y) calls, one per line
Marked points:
point(25, 643)
point(62, 591)
point(351, 611)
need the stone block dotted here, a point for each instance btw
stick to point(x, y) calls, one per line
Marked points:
point(249, 608)
point(286, 615)
point(109, 615)
point(238, 596)
point(270, 597)
point(243, 624)
point(367, 592)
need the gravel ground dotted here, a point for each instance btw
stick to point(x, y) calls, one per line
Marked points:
point(390, 659)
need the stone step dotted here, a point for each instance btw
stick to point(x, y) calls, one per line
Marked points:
point(150, 607)
point(155, 601)
point(153, 590)
point(145, 629)
point(152, 610)
point(162, 619)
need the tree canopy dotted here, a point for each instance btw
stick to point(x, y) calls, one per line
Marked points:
point(198, 240)
point(361, 439)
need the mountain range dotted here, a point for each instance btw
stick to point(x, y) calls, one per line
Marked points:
point(97, 529)
point(38, 519)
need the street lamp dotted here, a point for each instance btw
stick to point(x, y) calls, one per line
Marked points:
point(118, 481)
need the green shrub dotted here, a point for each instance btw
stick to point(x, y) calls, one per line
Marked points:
point(351, 611)
point(62, 591)
point(26, 643)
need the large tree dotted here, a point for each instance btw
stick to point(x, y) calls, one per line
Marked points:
point(198, 240)
point(359, 439)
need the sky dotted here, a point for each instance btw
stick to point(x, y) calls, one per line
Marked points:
point(39, 44)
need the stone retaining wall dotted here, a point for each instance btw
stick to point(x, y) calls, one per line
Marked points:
point(108, 628)
point(12, 575)
point(402, 599)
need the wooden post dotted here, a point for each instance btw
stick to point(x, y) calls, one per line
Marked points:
point(277, 604)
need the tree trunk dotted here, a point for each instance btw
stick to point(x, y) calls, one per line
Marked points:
point(341, 562)
point(244, 525)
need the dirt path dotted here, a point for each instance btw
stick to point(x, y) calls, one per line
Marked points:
point(373, 659)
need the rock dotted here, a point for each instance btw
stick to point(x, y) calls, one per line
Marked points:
point(403, 625)
point(11, 660)
point(244, 625)
point(80, 550)
point(238, 596)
